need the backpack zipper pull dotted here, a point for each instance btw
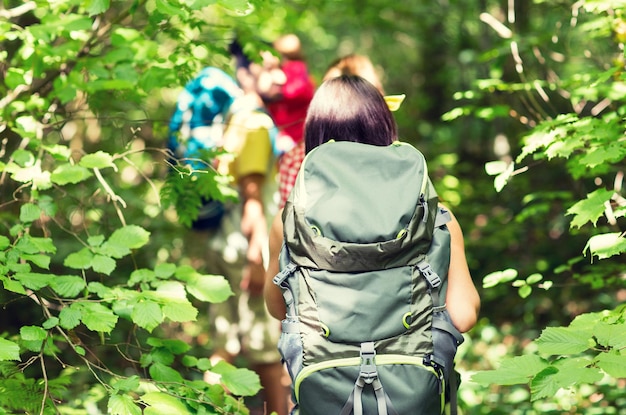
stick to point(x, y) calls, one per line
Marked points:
point(424, 203)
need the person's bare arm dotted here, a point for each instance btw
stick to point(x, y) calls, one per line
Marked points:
point(462, 299)
point(253, 227)
point(272, 293)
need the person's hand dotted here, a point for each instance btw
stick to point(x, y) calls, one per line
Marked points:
point(253, 279)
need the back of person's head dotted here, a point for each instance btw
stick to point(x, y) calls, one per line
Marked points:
point(289, 47)
point(354, 64)
point(349, 108)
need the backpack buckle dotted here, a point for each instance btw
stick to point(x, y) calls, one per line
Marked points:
point(431, 276)
point(368, 365)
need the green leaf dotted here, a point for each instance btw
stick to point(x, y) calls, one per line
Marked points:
point(562, 341)
point(131, 237)
point(525, 290)
point(179, 311)
point(35, 333)
point(103, 264)
point(606, 245)
point(166, 7)
point(122, 405)
point(12, 285)
point(242, 382)
point(130, 384)
point(141, 275)
point(97, 7)
point(164, 271)
point(589, 209)
point(147, 314)
point(69, 317)
point(9, 350)
point(238, 6)
point(42, 244)
point(113, 250)
point(79, 260)
point(42, 261)
point(544, 384)
point(4, 242)
point(562, 375)
point(174, 345)
point(499, 277)
point(512, 371)
point(162, 373)
point(534, 278)
point(50, 323)
point(34, 280)
point(29, 212)
point(68, 286)
point(610, 335)
point(97, 317)
point(97, 160)
point(70, 173)
point(613, 364)
point(95, 240)
point(211, 288)
point(159, 403)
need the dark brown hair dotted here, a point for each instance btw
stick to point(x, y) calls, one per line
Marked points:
point(349, 108)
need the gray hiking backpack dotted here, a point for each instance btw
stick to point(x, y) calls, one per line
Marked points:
point(364, 277)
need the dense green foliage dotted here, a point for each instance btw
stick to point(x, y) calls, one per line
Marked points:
point(520, 112)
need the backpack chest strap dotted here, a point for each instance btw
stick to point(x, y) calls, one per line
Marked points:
point(368, 375)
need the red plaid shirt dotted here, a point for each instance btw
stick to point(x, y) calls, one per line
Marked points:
point(288, 167)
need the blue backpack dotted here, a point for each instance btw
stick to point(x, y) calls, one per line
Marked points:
point(364, 277)
point(197, 125)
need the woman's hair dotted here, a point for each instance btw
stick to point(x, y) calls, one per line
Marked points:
point(354, 64)
point(349, 108)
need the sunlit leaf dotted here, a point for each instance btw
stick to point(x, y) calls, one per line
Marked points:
point(160, 403)
point(613, 363)
point(103, 264)
point(180, 311)
point(68, 286)
point(9, 350)
point(69, 317)
point(512, 371)
point(70, 173)
point(163, 373)
point(29, 212)
point(98, 160)
point(122, 405)
point(98, 317)
point(589, 209)
point(33, 333)
point(243, 382)
point(33, 280)
point(79, 260)
point(12, 285)
point(42, 261)
point(131, 237)
point(97, 6)
point(141, 275)
point(562, 341)
point(211, 288)
point(147, 314)
point(4, 242)
point(544, 384)
point(606, 245)
point(499, 277)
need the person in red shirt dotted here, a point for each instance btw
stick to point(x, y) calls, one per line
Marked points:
point(287, 89)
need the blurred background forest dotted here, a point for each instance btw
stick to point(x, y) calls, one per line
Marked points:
point(518, 106)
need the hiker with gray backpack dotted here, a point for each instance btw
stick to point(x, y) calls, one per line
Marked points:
point(367, 269)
